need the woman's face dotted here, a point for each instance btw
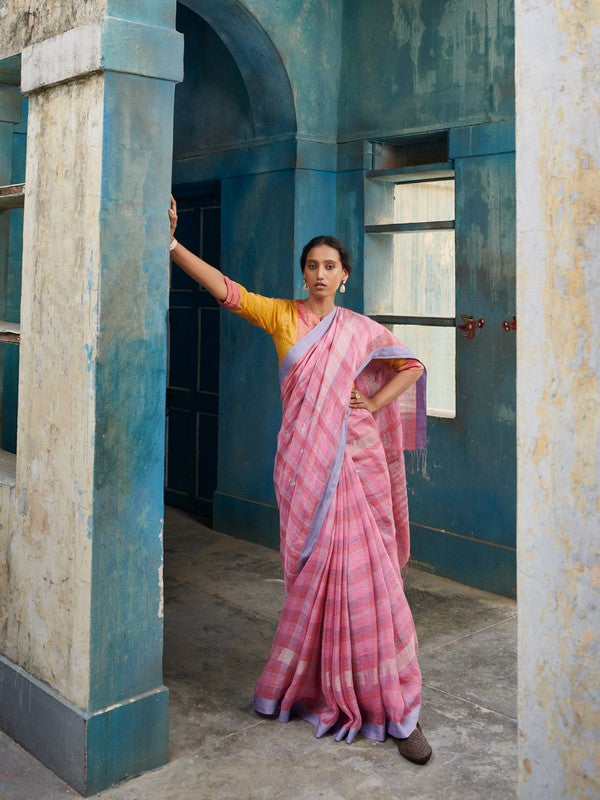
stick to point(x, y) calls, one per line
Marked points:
point(323, 271)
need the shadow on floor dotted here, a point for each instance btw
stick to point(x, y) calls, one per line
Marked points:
point(223, 598)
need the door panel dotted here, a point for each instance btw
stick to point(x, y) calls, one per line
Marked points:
point(193, 368)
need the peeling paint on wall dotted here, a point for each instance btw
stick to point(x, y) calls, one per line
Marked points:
point(54, 491)
point(426, 63)
point(558, 213)
point(27, 22)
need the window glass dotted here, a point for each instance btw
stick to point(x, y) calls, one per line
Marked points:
point(423, 274)
point(427, 201)
point(423, 285)
point(436, 348)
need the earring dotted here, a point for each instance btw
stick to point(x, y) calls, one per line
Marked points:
point(342, 287)
point(305, 287)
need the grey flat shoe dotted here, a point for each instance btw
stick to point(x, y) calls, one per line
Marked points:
point(415, 747)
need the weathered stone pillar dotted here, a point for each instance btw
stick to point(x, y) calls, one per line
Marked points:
point(81, 680)
point(558, 385)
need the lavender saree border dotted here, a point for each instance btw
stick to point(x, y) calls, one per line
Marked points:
point(316, 523)
point(303, 345)
point(402, 730)
point(265, 707)
point(314, 530)
point(378, 733)
point(297, 352)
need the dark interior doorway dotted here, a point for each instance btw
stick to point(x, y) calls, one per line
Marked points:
point(193, 361)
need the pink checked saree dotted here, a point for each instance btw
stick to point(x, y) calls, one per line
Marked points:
point(344, 655)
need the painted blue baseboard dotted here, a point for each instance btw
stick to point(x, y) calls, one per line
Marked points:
point(246, 519)
point(472, 562)
point(89, 750)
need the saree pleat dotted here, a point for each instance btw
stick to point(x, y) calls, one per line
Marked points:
point(344, 654)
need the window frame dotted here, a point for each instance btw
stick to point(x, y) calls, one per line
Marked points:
point(411, 173)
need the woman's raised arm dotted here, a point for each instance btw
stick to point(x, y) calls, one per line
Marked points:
point(207, 276)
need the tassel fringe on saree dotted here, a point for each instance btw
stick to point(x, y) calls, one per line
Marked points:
point(344, 655)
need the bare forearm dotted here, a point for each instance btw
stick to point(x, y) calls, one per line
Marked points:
point(207, 276)
point(395, 387)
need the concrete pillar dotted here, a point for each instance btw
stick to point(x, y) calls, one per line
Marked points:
point(558, 385)
point(81, 674)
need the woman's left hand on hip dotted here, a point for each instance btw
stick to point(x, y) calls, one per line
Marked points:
point(359, 400)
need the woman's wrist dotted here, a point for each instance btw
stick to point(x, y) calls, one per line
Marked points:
point(173, 244)
point(375, 403)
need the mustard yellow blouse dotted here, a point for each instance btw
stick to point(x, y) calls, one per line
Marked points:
point(286, 321)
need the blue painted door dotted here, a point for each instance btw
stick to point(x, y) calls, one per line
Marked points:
point(193, 366)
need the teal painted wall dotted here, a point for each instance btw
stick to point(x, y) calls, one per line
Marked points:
point(307, 36)
point(423, 65)
point(257, 250)
point(224, 116)
point(126, 529)
point(463, 509)
point(415, 67)
point(357, 72)
point(87, 653)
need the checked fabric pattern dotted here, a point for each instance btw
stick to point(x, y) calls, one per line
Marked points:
point(345, 651)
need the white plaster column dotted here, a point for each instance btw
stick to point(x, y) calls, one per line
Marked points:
point(81, 643)
point(558, 391)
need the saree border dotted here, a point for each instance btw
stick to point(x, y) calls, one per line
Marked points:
point(316, 523)
point(303, 345)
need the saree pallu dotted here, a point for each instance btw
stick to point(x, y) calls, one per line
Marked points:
point(344, 655)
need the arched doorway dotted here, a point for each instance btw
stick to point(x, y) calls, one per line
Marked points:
point(235, 96)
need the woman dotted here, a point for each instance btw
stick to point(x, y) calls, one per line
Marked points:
point(344, 655)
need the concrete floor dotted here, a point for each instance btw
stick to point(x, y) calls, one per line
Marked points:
point(223, 598)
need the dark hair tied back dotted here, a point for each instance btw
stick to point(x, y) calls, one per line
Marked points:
point(330, 241)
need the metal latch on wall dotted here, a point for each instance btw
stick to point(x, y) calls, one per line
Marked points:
point(470, 325)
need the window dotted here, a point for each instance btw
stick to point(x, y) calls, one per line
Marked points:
point(410, 267)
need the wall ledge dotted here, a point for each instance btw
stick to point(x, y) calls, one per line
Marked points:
point(255, 157)
point(246, 519)
point(113, 45)
point(485, 139)
point(474, 562)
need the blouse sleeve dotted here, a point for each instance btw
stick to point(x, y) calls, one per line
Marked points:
point(402, 364)
point(264, 312)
